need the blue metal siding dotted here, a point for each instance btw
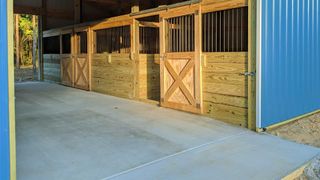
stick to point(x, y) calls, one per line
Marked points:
point(4, 96)
point(290, 59)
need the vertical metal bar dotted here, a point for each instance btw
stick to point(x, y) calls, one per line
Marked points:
point(180, 33)
point(173, 35)
point(188, 34)
point(232, 30)
point(176, 35)
point(193, 32)
point(212, 40)
point(169, 30)
point(216, 29)
point(209, 30)
point(204, 34)
point(237, 29)
point(241, 31)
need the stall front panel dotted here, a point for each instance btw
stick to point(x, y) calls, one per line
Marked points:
point(180, 62)
point(225, 63)
point(148, 62)
point(51, 58)
point(113, 68)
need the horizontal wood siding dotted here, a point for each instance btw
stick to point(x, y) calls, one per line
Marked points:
point(224, 89)
point(149, 76)
point(51, 67)
point(113, 74)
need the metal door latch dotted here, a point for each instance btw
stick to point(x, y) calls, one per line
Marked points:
point(248, 74)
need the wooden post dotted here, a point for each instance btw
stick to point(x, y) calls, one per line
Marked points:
point(44, 15)
point(34, 47)
point(17, 40)
point(135, 56)
point(198, 50)
point(135, 49)
point(77, 11)
point(162, 40)
point(252, 64)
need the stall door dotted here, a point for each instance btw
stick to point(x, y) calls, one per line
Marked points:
point(81, 61)
point(67, 69)
point(180, 75)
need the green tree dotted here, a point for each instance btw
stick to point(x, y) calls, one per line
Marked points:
point(26, 39)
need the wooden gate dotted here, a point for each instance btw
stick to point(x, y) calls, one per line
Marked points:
point(180, 62)
point(81, 61)
point(67, 70)
point(67, 63)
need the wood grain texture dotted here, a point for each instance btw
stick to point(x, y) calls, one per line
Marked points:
point(225, 93)
point(149, 77)
point(113, 74)
point(219, 5)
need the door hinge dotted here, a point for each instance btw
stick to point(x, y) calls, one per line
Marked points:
point(248, 74)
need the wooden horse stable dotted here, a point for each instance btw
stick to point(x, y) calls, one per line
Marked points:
point(192, 56)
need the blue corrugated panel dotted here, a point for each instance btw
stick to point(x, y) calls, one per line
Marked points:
point(290, 59)
point(4, 108)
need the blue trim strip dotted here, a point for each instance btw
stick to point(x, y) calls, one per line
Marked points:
point(4, 95)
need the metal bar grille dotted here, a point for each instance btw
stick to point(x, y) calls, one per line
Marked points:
point(149, 40)
point(82, 41)
point(225, 31)
point(51, 45)
point(180, 34)
point(113, 40)
point(66, 44)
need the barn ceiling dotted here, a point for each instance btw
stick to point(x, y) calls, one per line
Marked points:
point(63, 12)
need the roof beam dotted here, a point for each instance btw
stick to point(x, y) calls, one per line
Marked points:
point(53, 13)
point(105, 2)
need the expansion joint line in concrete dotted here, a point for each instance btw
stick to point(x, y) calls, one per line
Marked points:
point(174, 155)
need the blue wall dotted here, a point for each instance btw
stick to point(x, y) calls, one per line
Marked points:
point(4, 107)
point(290, 59)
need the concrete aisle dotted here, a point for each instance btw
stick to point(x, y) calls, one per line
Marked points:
point(65, 133)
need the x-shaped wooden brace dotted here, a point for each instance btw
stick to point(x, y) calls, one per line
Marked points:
point(81, 69)
point(66, 66)
point(178, 83)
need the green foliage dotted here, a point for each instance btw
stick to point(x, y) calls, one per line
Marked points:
point(26, 39)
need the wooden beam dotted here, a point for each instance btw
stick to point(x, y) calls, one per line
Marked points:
point(28, 10)
point(77, 11)
point(42, 11)
point(104, 2)
point(211, 6)
point(149, 24)
point(252, 64)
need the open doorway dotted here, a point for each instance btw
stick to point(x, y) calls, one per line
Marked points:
point(26, 47)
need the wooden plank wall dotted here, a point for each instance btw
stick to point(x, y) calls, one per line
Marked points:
point(51, 67)
point(113, 74)
point(149, 77)
point(224, 89)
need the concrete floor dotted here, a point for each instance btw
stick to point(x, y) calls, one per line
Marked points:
point(65, 133)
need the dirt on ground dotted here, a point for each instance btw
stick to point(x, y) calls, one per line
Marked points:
point(304, 131)
point(23, 74)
